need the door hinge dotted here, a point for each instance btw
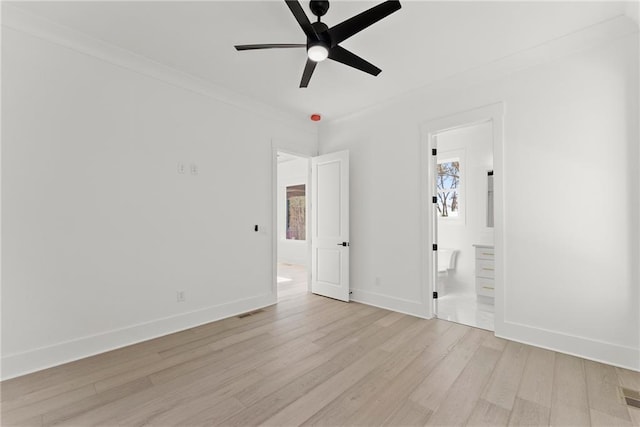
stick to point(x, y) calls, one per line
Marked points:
point(435, 295)
point(435, 247)
point(434, 199)
point(434, 151)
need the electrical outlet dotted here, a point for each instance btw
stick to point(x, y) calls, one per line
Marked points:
point(181, 296)
point(181, 168)
point(194, 169)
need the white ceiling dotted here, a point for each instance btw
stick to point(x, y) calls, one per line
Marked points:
point(422, 43)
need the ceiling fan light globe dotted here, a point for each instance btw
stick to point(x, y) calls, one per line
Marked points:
point(317, 53)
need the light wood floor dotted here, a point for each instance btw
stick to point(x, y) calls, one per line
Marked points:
point(313, 360)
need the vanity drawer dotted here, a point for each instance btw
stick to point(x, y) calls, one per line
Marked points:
point(485, 253)
point(485, 268)
point(485, 287)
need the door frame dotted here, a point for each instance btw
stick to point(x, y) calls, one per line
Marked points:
point(275, 149)
point(429, 130)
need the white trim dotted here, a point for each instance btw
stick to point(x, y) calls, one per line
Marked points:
point(17, 364)
point(19, 20)
point(599, 351)
point(429, 130)
point(400, 305)
point(582, 39)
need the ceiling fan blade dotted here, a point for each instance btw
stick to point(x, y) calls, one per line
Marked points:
point(301, 17)
point(351, 26)
point(342, 55)
point(308, 71)
point(268, 46)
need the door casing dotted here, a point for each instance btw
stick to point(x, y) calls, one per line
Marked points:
point(275, 148)
point(429, 130)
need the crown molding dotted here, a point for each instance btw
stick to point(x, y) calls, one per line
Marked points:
point(20, 20)
point(590, 37)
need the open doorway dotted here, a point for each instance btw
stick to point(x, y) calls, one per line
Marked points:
point(463, 177)
point(292, 225)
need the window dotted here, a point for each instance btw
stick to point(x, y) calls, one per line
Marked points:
point(448, 183)
point(296, 212)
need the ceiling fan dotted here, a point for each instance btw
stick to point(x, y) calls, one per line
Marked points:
point(322, 41)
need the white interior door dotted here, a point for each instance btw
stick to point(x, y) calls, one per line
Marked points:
point(330, 225)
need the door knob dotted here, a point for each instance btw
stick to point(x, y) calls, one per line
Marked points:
point(343, 244)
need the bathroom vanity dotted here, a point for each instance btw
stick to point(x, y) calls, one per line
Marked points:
point(485, 270)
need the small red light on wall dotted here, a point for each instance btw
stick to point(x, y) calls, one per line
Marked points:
point(315, 117)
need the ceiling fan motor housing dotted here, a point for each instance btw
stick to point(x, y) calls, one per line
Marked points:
point(323, 36)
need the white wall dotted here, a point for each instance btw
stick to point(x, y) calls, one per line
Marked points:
point(293, 172)
point(475, 145)
point(100, 230)
point(571, 140)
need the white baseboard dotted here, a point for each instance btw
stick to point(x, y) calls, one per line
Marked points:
point(598, 351)
point(400, 305)
point(14, 365)
point(17, 364)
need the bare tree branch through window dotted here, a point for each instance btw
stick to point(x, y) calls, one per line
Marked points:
point(448, 184)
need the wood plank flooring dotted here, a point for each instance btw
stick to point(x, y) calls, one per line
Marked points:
point(311, 360)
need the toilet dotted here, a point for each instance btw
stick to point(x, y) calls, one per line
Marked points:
point(446, 263)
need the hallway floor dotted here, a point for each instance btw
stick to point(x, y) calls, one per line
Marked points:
point(292, 280)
